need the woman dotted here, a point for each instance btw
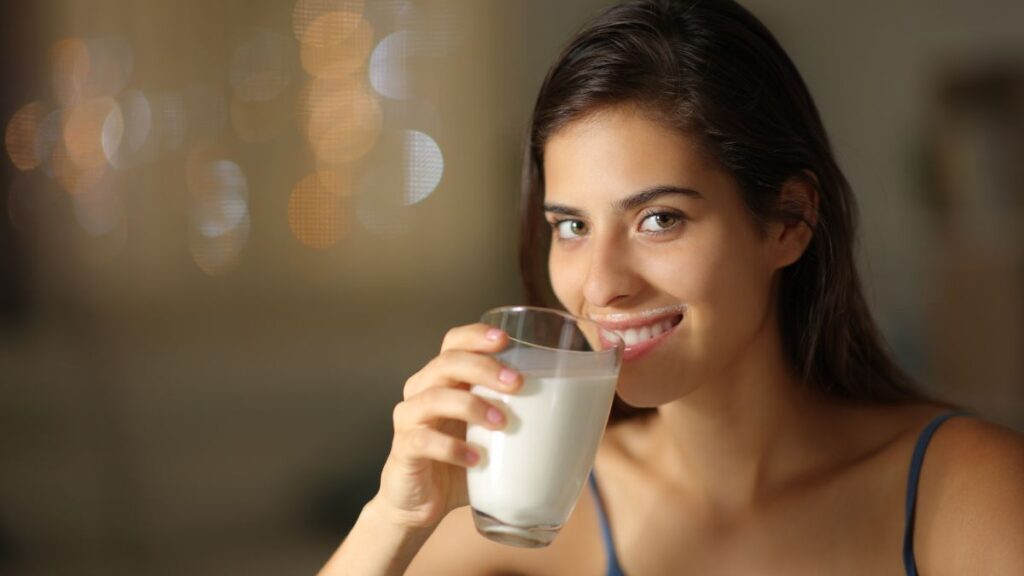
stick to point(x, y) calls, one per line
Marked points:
point(680, 164)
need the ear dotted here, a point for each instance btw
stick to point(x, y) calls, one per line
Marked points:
point(790, 235)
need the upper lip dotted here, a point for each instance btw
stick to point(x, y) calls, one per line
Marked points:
point(624, 321)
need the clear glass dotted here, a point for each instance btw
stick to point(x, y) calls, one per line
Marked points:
point(531, 473)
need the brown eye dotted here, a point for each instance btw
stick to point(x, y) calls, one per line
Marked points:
point(569, 229)
point(659, 222)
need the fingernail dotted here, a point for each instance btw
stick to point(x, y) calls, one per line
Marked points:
point(494, 416)
point(507, 375)
point(494, 334)
point(471, 457)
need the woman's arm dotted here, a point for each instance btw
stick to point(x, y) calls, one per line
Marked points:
point(424, 477)
point(376, 545)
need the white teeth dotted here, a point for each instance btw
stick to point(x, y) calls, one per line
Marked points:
point(634, 336)
point(609, 335)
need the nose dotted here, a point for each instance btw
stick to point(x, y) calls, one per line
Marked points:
point(611, 278)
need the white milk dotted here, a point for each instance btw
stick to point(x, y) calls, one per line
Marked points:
point(531, 473)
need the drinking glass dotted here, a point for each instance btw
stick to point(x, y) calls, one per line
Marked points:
point(531, 473)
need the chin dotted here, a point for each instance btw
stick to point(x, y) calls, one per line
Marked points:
point(641, 391)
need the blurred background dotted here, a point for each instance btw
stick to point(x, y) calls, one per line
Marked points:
point(230, 230)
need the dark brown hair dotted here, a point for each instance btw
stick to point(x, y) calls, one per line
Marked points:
point(710, 69)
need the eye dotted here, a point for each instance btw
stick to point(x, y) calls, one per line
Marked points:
point(659, 222)
point(569, 229)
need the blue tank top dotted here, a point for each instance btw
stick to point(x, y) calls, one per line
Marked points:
point(612, 559)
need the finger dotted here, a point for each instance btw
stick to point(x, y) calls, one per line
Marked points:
point(477, 337)
point(458, 369)
point(423, 444)
point(434, 404)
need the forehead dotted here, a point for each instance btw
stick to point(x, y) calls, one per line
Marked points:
point(615, 152)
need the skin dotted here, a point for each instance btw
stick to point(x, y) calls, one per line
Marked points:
point(742, 470)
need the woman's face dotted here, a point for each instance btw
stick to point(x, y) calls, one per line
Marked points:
point(654, 242)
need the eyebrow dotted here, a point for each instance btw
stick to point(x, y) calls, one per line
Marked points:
point(630, 202)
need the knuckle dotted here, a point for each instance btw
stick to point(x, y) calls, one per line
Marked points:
point(447, 358)
point(398, 414)
point(449, 337)
point(420, 440)
point(431, 396)
point(410, 386)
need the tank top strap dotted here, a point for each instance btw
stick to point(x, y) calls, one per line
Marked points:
point(611, 558)
point(909, 564)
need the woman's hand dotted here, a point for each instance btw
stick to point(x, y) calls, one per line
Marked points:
point(424, 477)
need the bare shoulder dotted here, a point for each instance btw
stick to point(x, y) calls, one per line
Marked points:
point(970, 512)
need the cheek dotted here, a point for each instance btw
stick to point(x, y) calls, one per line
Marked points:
point(566, 281)
point(731, 288)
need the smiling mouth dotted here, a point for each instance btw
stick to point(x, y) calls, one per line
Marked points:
point(637, 335)
point(640, 333)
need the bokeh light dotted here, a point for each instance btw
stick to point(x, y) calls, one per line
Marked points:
point(93, 132)
point(261, 67)
point(65, 171)
point(138, 125)
point(218, 211)
point(103, 128)
point(49, 137)
point(306, 12)
point(71, 64)
point(218, 256)
point(72, 177)
point(424, 166)
point(219, 197)
point(389, 66)
point(339, 54)
point(20, 135)
point(317, 208)
point(340, 117)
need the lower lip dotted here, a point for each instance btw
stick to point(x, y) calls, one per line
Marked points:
point(644, 348)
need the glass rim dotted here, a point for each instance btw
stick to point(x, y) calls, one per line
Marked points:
point(619, 346)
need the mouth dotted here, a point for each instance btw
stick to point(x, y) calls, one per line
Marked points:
point(640, 333)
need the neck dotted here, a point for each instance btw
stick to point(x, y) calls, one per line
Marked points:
point(734, 440)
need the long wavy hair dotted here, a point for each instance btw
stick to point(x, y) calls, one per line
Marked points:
point(710, 69)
